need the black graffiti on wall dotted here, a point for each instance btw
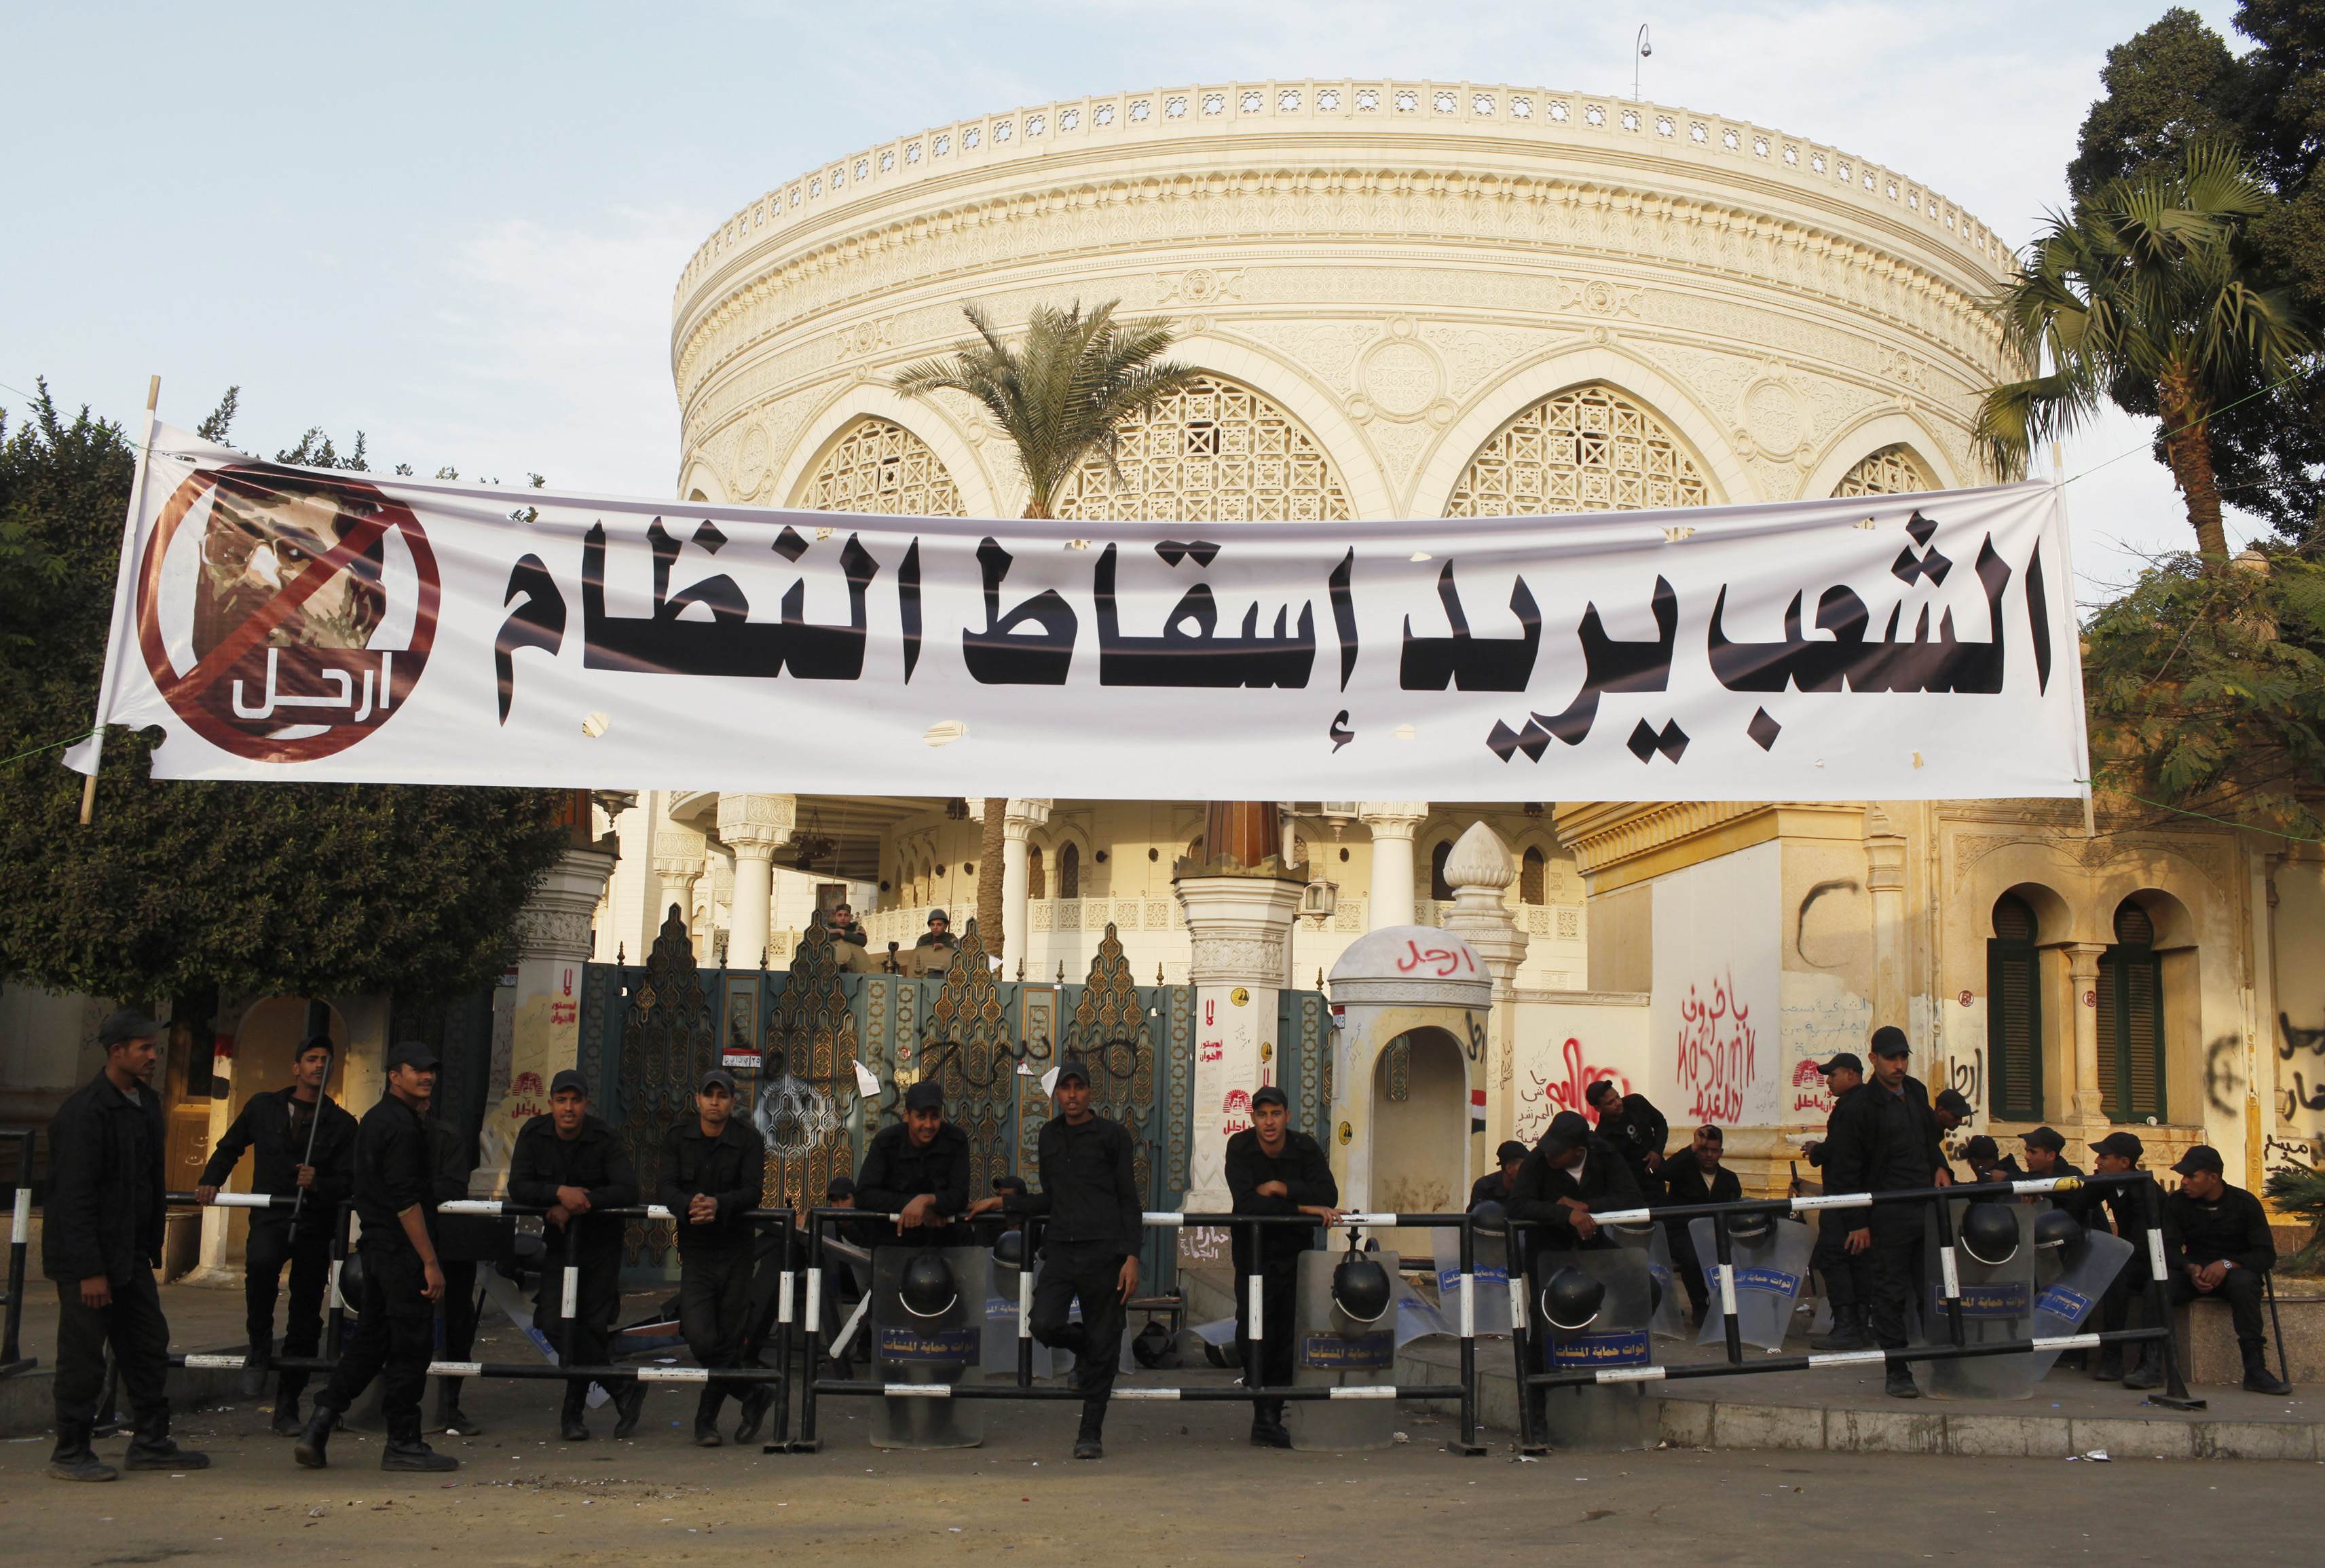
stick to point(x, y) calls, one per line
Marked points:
point(2222, 1083)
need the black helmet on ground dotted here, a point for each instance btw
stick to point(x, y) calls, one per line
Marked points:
point(927, 1289)
point(1154, 1347)
point(2056, 1228)
point(1570, 1301)
point(1989, 1233)
point(1490, 1217)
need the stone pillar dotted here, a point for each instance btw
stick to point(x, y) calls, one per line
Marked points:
point(1885, 855)
point(1021, 819)
point(677, 868)
point(755, 827)
point(1240, 929)
point(2085, 1098)
point(544, 1034)
point(1480, 871)
point(1393, 823)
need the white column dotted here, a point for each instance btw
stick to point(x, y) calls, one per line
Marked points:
point(1019, 821)
point(1480, 870)
point(755, 827)
point(1884, 858)
point(545, 1026)
point(1393, 823)
point(1238, 930)
point(676, 867)
point(2086, 1096)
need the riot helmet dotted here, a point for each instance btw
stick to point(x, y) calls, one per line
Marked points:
point(1570, 1301)
point(927, 1289)
point(1989, 1233)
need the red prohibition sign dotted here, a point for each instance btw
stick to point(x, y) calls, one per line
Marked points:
point(288, 588)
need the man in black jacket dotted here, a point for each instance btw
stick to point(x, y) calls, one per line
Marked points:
point(1698, 1177)
point(1089, 1248)
point(917, 1169)
point(396, 1199)
point(1839, 1154)
point(1274, 1170)
point(302, 1142)
point(1495, 1185)
point(713, 1166)
point(2046, 1155)
point(2124, 1211)
point(1889, 1142)
point(100, 1239)
point(1637, 1129)
point(462, 1242)
point(570, 1164)
point(1572, 1172)
point(2217, 1244)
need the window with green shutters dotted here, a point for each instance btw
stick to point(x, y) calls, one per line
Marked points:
point(2013, 1014)
point(2131, 1020)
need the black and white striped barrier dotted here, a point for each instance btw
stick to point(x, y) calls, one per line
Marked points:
point(19, 1240)
point(1250, 1391)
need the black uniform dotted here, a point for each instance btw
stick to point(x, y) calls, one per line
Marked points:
point(1489, 1189)
point(1847, 1276)
point(595, 1161)
point(1637, 1129)
point(274, 1126)
point(1307, 1178)
point(394, 1328)
point(2235, 1229)
point(1887, 1143)
point(104, 1217)
point(896, 1171)
point(462, 1242)
point(1685, 1182)
point(713, 1260)
point(1604, 1182)
point(1089, 1191)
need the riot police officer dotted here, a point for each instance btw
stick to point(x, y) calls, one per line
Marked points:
point(917, 1169)
point(572, 1164)
point(1846, 1273)
point(712, 1167)
point(1890, 1144)
point(1272, 1170)
point(1637, 1130)
point(1495, 1185)
point(1572, 1172)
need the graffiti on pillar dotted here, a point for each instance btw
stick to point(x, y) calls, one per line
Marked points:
point(2298, 1039)
point(2300, 1097)
point(1545, 1095)
point(2223, 1083)
point(1968, 1079)
point(1718, 1051)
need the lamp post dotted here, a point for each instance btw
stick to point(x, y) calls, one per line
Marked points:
point(1640, 49)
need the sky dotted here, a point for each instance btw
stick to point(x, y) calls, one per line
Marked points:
point(458, 228)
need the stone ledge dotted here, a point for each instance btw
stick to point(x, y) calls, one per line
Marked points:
point(1726, 1425)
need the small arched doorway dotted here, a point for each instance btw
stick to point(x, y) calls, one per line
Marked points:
point(1421, 1124)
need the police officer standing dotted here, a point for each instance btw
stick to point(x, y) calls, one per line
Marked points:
point(570, 1164)
point(1839, 1154)
point(396, 1199)
point(302, 1147)
point(1274, 1170)
point(712, 1168)
point(1891, 1146)
point(100, 1239)
point(917, 1169)
point(1637, 1129)
point(1089, 1248)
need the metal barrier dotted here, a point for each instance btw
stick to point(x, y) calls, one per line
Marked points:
point(779, 1221)
point(19, 1240)
point(1252, 1390)
point(2175, 1397)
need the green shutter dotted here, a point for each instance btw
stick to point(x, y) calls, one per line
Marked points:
point(2014, 1016)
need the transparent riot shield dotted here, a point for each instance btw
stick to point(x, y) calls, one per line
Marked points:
point(1491, 1260)
point(999, 1359)
point(1607, 1416)
point(1997, 1303)
point(2068, 1282)
point(1771, 1267)
point(1667, 1292)
point(1334, 1351)
point(1417, 1318)
point(941, 1346)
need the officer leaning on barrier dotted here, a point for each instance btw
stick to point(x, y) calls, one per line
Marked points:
point(917, 1169)
point(712, 1168)
point(1839, 1154)
point(1889, 1142)
point(1637, 1130)
point(1274, 1170)
point(1089, 1248)
point(1572, 1172)
point(2217, 1243)
point(100, 1239)
point(300, 1142)
point(1697, 1177)
point(570, 1164)
point(396, 1199)
point(1495, 1185)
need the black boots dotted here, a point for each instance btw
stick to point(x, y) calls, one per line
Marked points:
point(2110, 1364)
point(449, 1415)
point(415, 1455)
point(755, 1405)
point(316, 1438)
point(1900, 1384)
point(569, 1424)
point(2149, 1373)
point(286, 1414)
point(153, 1449)
point(2259, 1379)
point(629, 1403)
point(706, 1418)
point(1087, 1442)
point(1267, 1429)
point(1849, 1331)
point(253, 1379)
point(73, 1459)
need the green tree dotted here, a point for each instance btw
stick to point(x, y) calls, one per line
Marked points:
point(179, 886)
point(1061, 395)
point(2151, 281)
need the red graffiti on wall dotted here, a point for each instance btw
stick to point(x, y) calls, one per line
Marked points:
point(1547, 1096)
point(1716, 1053)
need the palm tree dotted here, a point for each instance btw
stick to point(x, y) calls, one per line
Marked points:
point(1061, 395)
point(2150, 288)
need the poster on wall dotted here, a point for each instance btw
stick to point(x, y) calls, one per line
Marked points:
point(1715, 1026)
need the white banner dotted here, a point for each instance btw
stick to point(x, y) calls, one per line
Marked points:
point(289, 624)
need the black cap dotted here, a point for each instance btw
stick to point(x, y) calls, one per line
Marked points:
point(2043, 1137)
point(2123, 1143)
point(1511, 1149)
point(1590, 1095)
point(412, 1054)
point(1269, 1094)
point(1072, 1066)
point(317, 1043)
point(1842, 1059)
point(1982, 1150)
point(569, 1078)
point(1890, 1041)
point(937, 914)
point(2203, 1157)
point(128, 1023)
point(928, 1094)
point(1951, 1101)
point(1009, 1184)
point(1567, 1131)
point(836, 1188)
point(719, 1076)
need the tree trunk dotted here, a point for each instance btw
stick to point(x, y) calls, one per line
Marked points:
point(2188, 447)
point(989, 855)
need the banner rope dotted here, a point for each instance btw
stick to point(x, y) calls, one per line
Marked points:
point(2223, 822)
point(67, 740)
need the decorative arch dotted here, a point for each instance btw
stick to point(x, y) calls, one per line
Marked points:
point(1893, 471)
point(1588, 448)
point(1214, 451)
point(877, 466)
point(933, 423)
point(1854, 444)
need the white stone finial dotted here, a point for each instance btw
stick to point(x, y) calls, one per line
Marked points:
point(1480, 859)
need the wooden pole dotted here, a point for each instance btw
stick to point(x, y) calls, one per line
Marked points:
point(128, 537)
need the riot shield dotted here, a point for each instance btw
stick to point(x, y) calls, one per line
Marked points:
point(943, 1342)
point(1666, 1291)
point(1600, 1415)
point(1334, 1351)
point(999, 1359)
point(1771, 1267)
point(1491, 1261)
point(2068, 1282)
point(1997, 1303)
point(1417, 1319)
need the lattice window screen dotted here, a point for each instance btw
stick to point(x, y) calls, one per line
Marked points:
point(1213, 452)
point(1890, 471)
point(1588, 448)
point(1530, 877)
point(880, 467)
